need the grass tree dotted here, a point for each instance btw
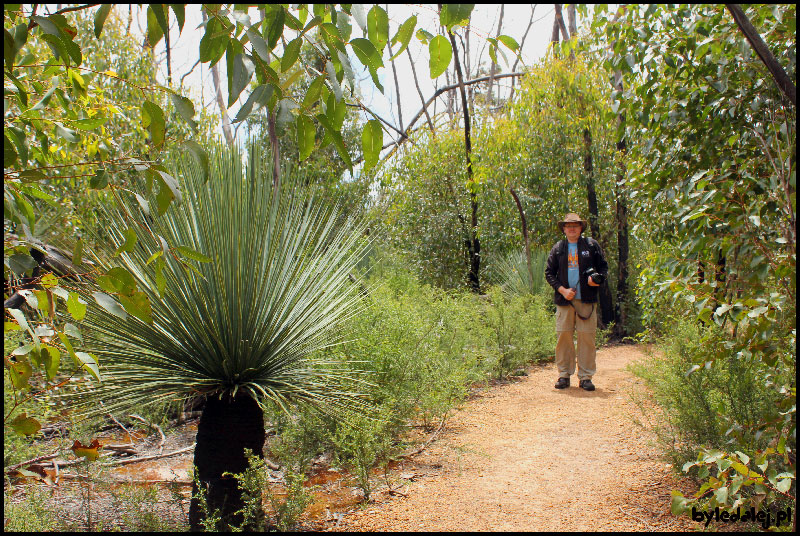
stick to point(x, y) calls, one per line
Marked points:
point(245, 286)
point(519, 276)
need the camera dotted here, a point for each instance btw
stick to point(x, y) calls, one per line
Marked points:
point(596, 276)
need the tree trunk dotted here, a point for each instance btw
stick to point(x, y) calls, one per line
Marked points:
point(473, 244)
point(526, 241)
point(554, 35)
point(620, 312)
point(169, 55)
point(223, 110)
point(396, 82)
point(227, 427)
point(606, 303)
point(560, 21)
point(573, 25)
point(720, 278)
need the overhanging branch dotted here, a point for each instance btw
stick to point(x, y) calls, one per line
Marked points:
point(409, 128)
point(754, 38)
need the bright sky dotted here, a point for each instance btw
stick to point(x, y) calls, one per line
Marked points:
point(484, 24)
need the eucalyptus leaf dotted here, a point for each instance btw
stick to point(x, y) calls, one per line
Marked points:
point(243, 68)
point(153, 120)
point(403, 35)
point(100, 18)
point(371, 142)
point(378, 27)
point(110, 304)
point(440, 55)
point(305, 136)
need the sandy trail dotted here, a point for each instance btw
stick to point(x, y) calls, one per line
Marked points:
point(525, 456)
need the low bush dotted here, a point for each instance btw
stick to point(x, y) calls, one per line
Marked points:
point(523, 328)
point(419, 349)
point(703, 399)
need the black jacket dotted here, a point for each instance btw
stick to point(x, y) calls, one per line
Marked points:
point(589, 254)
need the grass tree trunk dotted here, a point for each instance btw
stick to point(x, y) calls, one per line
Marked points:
point(227, 427)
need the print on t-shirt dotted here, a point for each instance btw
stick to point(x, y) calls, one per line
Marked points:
point(573, 270)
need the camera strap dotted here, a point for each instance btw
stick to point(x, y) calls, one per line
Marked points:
point(579, 314)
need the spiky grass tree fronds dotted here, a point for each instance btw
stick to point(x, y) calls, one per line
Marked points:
point(519, 278)
point(240, 329)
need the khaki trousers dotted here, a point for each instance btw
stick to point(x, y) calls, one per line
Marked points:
point(568, 322)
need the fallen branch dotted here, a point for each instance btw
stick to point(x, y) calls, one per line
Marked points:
point(180, 482)
point(147, 458)
point(428, 442)
point(62, 464)
point(32, 460)
point(72, 476)
point(122, 449)
point(122, 426)
point(391, 491)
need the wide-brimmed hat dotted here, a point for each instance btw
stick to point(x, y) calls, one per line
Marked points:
point(572, 218)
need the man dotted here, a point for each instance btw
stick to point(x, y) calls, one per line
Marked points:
point(575, 298)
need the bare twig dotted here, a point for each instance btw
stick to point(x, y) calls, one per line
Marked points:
point(157, 427)
point(33, 24)
point(396, 83)
point(122, 449)
point(521, 44)
point(404, 136)
point(421, 98)
point(122, 426)
point(493, 68)
point(190, 71)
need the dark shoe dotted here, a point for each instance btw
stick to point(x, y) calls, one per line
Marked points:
point(562, 383)
point(587, 385)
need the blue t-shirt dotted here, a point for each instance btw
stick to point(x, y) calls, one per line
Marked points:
point(573, 269)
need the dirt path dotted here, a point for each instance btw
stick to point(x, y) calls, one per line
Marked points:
point(525, 456)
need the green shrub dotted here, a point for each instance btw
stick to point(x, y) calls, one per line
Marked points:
point(135, 507)
point(295, 501)
point(300, 437)
point(523, 329)
point(703, 399)
point(33, 514)
point(420, 347)
point(363, 443)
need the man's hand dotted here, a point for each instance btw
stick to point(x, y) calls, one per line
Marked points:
point(568, 293)
point(592, 283)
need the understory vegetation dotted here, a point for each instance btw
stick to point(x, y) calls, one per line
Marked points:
point(418, 352)
point(291, 278)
